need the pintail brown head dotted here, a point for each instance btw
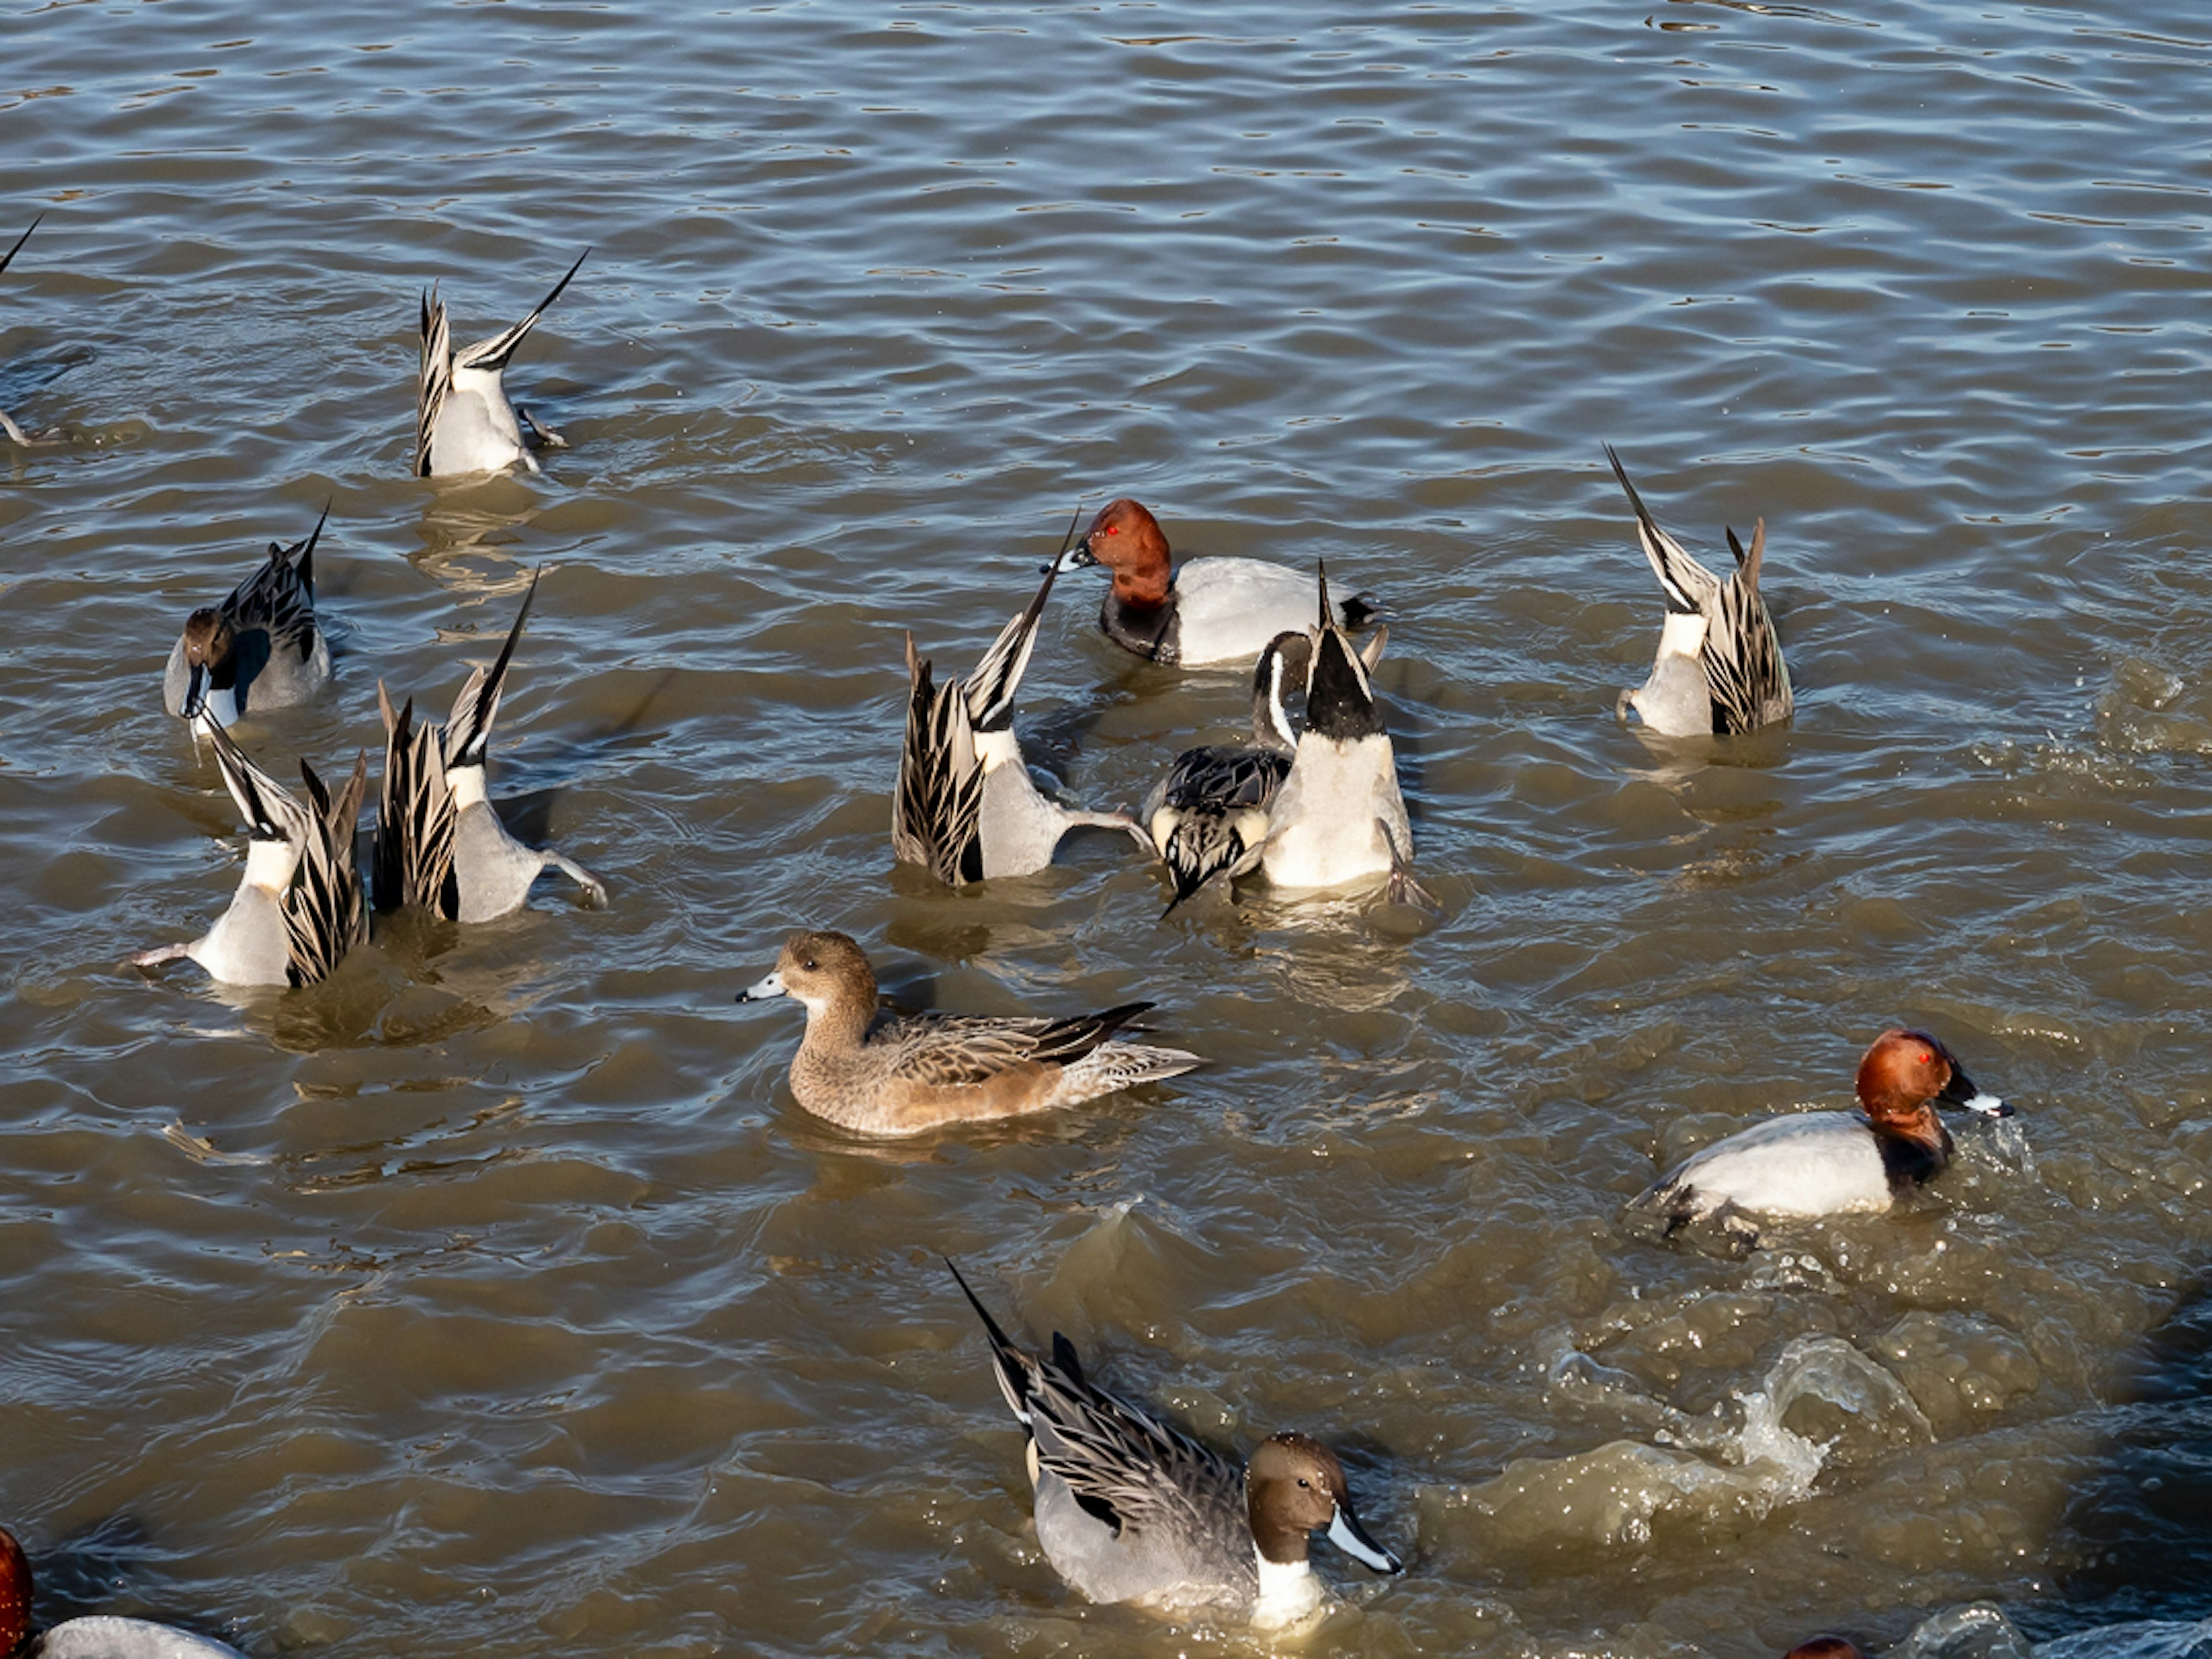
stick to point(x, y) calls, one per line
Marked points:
point(1294, 1487)
point(1127, 540)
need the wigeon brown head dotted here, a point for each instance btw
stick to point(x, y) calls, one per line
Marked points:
point(822, 970)
point(1294, 1486)
point(1127, 540)
point(1826, 1647)
point(15, 1594)
point(1903, 1076)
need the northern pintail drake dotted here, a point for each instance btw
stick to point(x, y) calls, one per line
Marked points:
point(965, 808)
point(96, 1637)
point(259, 650)
point(1207, 611)
point(1719, 669)
point(885, 1074)
point(1208, 818)
point(1130, 1510)
point(8, 425)
point(298, 908)
point(463, 421)
point(1817, 1164)
point(439, 842)
point(1339, 819)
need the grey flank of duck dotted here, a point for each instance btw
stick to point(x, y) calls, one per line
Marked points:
point(97, 1637)
point(880, 1074)
point(298, 908)
point(439, 843)
point(16, 434)
point(1130, 1510)
point(965, 808)
point(259, 650)
point(1719, 669)
point(463, 421)
point(1816, 1163)
point(1338, 820)
point(1208, 816)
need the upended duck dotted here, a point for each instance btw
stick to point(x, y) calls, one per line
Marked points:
point(463, 421)
point(298, 908)
point(965, 808)
point(1817, 1164)
point(885, 1074)
point(1212, 610)
point(1130, 1509)
point(439, 842)
point(1719, 670)
point(1338, 820)
point(100, 1637)
point(260, 648)
point(1208, 818)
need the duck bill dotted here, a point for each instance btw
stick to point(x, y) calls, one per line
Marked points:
point(766, 990)
point(195, 703)
point(1348, 1535)
point(1077, 558)
point(1963, 1090)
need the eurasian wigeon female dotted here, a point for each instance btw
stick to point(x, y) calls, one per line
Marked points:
point(886, 1074)
point(1338, 820)
point(259, 650)
point(1816, 1163)
point(1208, 818)
point(1209, 611)
point(463, 421)
point(1719, 669)
point(965, 808)
point(97, 1637)
point(1129, 1509)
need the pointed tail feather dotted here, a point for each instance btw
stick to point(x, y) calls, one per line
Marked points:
point(468, 730)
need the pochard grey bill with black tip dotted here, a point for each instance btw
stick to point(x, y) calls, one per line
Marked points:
point(298, 908)
point(965, 808)
point(880, 1074)
point(1129, 1509)
point(440, 842)
point(1204, 611)
point(1208, 818)
point(260, 648)
point(463, 421)
point(1719, 669)
point(98, 1636)
point(1816, 1163)
point(1339, 821)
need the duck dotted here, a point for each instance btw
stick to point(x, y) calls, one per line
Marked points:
point(1130, 1509)
point(877, 1073)
point(463, 421)
point(16, 433)
point(1210, 610)
point(100, 1636)
point(1826, 1647)
point(1338, 820)
point(965, 808)
point(439, 842)
point(298, 908)
point(259, 650)
point(1719, 672)
point(1820, 1163)
point(1208, 816)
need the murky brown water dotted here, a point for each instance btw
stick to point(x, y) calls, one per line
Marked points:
point(496, 1299)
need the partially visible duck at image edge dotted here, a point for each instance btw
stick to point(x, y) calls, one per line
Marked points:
point(1817, 1164)
point(1207, 611)
point(99, 1636)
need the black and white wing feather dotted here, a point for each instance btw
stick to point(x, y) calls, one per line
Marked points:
point(936, 808)
point(433, 380)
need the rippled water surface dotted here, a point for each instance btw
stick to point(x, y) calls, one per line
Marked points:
point(496, 1299)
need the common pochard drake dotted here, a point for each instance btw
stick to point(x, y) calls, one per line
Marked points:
point(965, 808)
point(259, 648)
point(1208, 818)
point(1207, 611)
point(463, 421)
point(97, 1637)
point(886, 1074)
point(440, 842)
point(1129, 1509)
point(1719, 669)
point(298, 908)
point(1338, 820)
point(1817, 1164)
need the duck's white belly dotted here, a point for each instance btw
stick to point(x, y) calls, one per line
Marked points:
point(477, 432)
point(1227, 609)
point(1327, 828)
point(1815, 1164)
point(127, 1639)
